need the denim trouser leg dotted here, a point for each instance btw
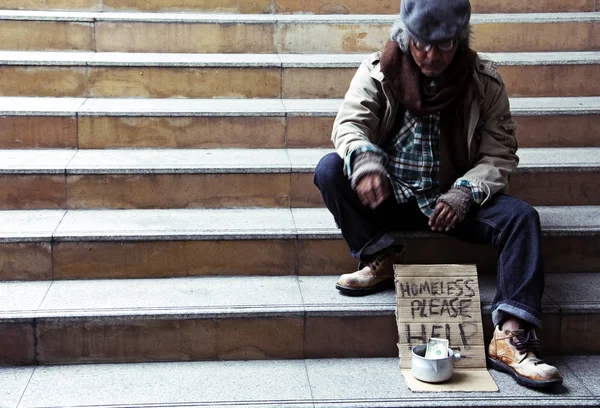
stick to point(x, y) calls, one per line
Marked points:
point(513, 228)
point(365, 230)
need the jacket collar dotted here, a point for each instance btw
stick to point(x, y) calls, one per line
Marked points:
point(375, 69)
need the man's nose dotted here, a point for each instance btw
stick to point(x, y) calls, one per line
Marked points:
point(434, 53)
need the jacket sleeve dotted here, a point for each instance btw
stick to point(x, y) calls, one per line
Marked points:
point(358, 119)
point(496, 134)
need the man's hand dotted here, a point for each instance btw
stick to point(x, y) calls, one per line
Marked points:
point(372, 189)
point(443, 218)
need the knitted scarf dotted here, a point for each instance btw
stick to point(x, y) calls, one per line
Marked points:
point(409, 84)
point(410, 88)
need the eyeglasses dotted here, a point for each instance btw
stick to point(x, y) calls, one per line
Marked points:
point(442, 46)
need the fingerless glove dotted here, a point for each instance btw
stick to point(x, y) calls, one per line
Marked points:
point(459, 199)
point(366, 163)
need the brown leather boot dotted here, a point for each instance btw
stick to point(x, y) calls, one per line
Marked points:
point(514, 352)
point(373, 276)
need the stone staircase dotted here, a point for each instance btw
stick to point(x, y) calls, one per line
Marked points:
point(158, 212)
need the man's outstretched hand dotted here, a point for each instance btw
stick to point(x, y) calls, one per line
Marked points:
point(372, 189)
point(443, 218)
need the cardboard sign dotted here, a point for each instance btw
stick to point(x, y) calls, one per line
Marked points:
point(442, 301)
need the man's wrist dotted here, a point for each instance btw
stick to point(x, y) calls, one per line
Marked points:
point(366, 163)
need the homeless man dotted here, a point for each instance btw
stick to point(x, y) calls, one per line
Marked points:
point(425, 139)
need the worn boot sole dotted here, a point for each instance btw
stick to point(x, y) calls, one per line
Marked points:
point(350, 291)
point(500, 366)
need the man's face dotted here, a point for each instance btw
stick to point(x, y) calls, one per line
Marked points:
point(434, 61)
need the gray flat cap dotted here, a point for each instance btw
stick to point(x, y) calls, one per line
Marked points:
point(431, 21)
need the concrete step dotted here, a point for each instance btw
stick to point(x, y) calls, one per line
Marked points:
point(97, 123)
point(234, 178)
point(246, 318)
point(343, 383)
point(545, 176)
point(89, 244)
point(290, 6)
point(83, 74)
point(234, 33)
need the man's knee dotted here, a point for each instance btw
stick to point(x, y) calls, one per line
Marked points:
point(521, 212)
point(330, 171)
point(526, 212)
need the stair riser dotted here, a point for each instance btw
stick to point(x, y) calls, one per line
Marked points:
point(545, 80)
point(368, 336)
point(184, 132)
point(43, 81)
point(141, 82)
point(565, 188)
point(104, 132)
point(157, 37)
point(581, 332)
point(81, 260)
point(17, 343)
point(315, 82)
point(489, 37)
point(221, 6)
point(296, 190)
point(290, 6)
point(26, 261)
point(179, 191)
point(540, 188)
point(163, 259)
point(525, 81)
point(175, 82)
point(280, 37)
point(393, 6)
point(140, 340)
point(50, 5)
point(32, 192)
point(170, 340)
point(562, 254)
point(47, 36)
point(558, 131)
point(45, 132)
point(533, 131)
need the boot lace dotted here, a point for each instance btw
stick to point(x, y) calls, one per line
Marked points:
point(378, 260)
point(526, 342)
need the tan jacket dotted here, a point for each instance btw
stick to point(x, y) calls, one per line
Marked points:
point(369, 109)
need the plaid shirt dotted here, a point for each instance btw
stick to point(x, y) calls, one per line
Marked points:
point(413, 164)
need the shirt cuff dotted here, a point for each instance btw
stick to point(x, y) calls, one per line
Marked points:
point(477, 193)
point(349, 159)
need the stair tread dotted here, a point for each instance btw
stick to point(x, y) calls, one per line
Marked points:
point(247, 297)
point(88, 58)
point(367, 382)
point(135, 59)
point(48, 106)
point(555, 221)
point(531, 159)
point(519, 105)
point(182, 160)
point(501, 58)
point(28, 226)
point(232, 161)
point(225, 18)
point(230, 224)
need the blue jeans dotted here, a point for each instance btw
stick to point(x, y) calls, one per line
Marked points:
point(510, 225)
